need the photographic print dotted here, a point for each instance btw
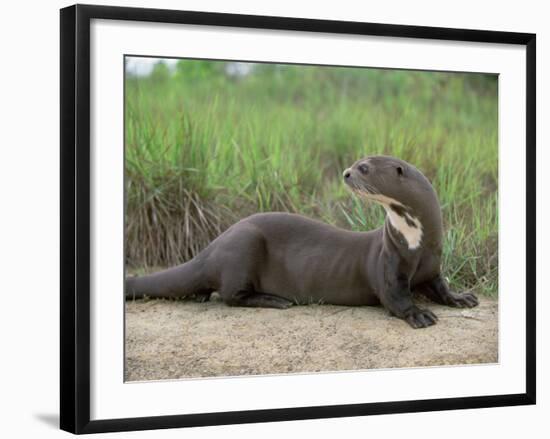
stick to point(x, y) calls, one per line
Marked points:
point(292, 218)
point(268, 219)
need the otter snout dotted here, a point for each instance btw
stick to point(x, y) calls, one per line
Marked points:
point(357, 176)
point(362, 169)
point(350, 177)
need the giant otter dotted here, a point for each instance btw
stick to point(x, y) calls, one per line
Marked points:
point(278, 259)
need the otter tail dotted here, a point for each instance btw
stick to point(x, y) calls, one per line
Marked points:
point(184, 280)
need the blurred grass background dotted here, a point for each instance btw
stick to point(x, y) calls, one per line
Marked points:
point(209, 142)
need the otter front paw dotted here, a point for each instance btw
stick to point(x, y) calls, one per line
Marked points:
point(464, 300)
point(420, 318)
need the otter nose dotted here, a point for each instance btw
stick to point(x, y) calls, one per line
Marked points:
point(347, 173)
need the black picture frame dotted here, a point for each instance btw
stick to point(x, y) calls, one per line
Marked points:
point(75, 217)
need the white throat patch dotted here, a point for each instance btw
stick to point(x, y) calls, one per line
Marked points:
point(412, 234)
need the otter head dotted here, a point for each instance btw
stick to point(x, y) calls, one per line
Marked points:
point(406, 194)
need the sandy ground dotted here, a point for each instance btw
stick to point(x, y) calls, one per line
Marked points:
point(178, 339)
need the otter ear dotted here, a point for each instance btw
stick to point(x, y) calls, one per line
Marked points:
point(400, 171)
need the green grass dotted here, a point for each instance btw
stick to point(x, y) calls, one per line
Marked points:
point(204, 149)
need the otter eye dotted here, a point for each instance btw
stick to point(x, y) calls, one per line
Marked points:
point(400, 170)
point(363, 168)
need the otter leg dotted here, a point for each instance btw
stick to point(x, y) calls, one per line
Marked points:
point(236, 290)
point(438, 291)
point(397, 299)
